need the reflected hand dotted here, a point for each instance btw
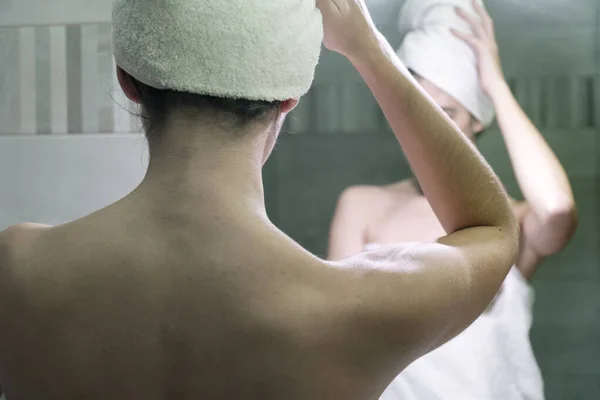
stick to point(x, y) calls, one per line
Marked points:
point(483, 42)
point(348, 26)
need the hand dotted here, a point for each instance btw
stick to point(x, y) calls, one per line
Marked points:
point(348, 26)
point(483, 42)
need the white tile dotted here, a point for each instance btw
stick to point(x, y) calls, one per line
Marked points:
point(90, 79)
point(59, 82)
point(27, 80)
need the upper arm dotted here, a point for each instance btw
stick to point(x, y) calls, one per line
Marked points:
point(414, 298)
point(349, 225)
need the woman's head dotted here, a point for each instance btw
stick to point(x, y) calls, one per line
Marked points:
point(237, 65)
point(240, 58)
point(160, 106)
point(431, 50)
point(465, 121)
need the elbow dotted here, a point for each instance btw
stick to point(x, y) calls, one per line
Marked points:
point(512, 233)
point(560, 224)
point(566, 217)
point(513, 239)
point(511, 236)
point(563, 218)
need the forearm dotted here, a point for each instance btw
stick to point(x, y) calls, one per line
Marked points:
point(462, 189)
point(541, 177)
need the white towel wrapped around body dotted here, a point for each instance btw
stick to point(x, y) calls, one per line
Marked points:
point(431, 50)
point(490, 360)
point(250, 49)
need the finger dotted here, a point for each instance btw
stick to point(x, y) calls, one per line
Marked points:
point(471, 40)
point(476, 26)
point(323, 5)
point(336, 5)
point(326, 6)
point(487, 21)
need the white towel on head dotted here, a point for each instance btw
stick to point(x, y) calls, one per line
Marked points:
point(431, 50)
point(251, 49)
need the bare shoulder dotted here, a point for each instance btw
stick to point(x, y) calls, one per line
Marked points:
point(371, 194)
point(15, 240)
point(406, 187)
point(362, 192)
point(381, 195)
point(22, 231)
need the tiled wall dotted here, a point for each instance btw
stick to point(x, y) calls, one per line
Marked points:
point(60, 79)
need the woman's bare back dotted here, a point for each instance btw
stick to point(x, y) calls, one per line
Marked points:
point(111, 306)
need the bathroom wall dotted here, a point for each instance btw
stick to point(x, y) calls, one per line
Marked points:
point(65, 146)
point(55, 12)
point(54, 179)
point(57, 74)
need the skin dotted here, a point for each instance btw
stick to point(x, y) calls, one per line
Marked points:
point(400, 213)
point(185, 290)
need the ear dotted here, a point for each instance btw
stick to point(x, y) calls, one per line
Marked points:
point(288, 106)
point(476, 126)
point(126, 82)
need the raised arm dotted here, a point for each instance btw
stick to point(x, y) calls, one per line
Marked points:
point(426, 293)
point(549, 215)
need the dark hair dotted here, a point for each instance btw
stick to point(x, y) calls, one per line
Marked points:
point(232, 114)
